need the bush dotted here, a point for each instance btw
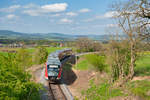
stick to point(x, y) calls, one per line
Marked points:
point(14, 81)
point(40, 55)
point(24, 57)
point(97, 61)
point(118, 58)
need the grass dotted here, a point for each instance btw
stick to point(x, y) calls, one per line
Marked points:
point(52, 49)
point(102, 91)
point(106, 91)
point(91, 61)
point(143, 66)
point(83, 64)
point(140, 88)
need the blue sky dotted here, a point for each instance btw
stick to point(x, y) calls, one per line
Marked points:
point(59, 16)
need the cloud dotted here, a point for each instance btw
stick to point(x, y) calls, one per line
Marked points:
point(10, 8)
point(109, 14)
point(11, 16)
point(40, 10)
point(111, 25)
point(58, 7)
point(32, 12)
point(71, 14)
point(31, 5)
point(56, 15)
point(65, 20)
point(84, 10)
point(15, 7)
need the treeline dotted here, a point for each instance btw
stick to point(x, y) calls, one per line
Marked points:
point(15, 82)
point(28, 42)
point(87, 45)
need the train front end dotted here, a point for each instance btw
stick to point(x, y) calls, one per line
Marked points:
point(53, 70)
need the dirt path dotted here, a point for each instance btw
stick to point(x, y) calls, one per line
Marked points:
point(141, 78)
point(37, 72)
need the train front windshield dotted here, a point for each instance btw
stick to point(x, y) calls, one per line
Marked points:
point(53, 70)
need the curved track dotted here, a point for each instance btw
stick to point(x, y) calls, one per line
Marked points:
point(56, 92)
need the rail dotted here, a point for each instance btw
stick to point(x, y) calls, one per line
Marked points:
point(56, 92)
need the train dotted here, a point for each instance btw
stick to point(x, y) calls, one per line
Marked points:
point(53, 68)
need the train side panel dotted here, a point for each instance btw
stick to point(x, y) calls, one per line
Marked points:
point(46, 72)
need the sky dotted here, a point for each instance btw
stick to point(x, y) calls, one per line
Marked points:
point(57, 16)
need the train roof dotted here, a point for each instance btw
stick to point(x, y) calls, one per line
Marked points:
point(53, 58)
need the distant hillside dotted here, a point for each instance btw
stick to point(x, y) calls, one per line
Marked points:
point(6, 34)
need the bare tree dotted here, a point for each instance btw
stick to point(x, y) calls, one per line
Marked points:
point(87, 45)
point(133, 19)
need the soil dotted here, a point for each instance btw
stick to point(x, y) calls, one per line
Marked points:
point(81, 80)
point(141, 78)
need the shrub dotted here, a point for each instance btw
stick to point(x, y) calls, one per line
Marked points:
point(97, 61)
point(24, 57)
point(14, 81)
point(40, 55)
point(118, 58)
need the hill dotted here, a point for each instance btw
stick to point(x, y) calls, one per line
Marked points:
point(6, 34)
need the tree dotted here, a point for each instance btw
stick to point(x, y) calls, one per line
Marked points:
point(118, 58)
point(132, 18)
point(87, 45)
point(140, 12)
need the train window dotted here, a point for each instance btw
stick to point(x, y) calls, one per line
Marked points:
point(58, 66)
point(47, 66)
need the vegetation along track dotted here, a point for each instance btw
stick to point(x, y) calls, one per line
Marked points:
point(56, 92)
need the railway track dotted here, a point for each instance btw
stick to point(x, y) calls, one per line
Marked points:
point(56, 92)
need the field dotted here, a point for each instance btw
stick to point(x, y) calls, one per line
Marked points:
point(82, 64)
